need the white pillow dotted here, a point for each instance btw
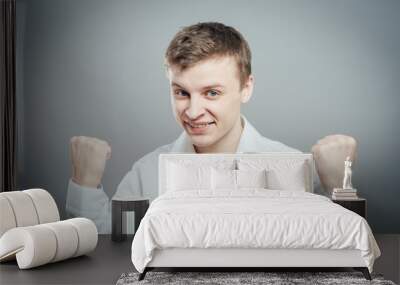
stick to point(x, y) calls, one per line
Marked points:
point(182, 177)
point(282, 174)
point(251, 178)
point(287, 179)
point(223, 179)
point(236, 179)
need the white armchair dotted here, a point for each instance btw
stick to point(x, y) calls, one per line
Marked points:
point(31, 231)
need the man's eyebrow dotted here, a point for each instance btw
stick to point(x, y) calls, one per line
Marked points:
point(176, 84)
point(205, 87)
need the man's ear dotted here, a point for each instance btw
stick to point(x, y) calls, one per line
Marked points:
point(247, 90)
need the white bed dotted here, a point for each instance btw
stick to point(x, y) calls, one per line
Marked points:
point(248, 226)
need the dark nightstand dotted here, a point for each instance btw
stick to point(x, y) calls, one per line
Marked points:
point(358, 205)
point(138, 205)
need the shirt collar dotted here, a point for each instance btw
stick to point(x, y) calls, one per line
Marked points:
point(248, 140)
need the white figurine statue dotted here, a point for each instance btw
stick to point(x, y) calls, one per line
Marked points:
point(347, 174)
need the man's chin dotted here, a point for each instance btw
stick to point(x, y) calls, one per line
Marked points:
point(201, 141)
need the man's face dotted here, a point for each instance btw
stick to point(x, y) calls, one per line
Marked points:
point(206, 99)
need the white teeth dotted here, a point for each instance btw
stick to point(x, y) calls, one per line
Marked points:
point(200, 125)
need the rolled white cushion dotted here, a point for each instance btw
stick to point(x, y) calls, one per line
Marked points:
point(33, 245)
point(40, 244)
point(23, 208)
point(26, 208)
point(45, 205)
point(7, 218)
point(87, 234)
point(67, 239)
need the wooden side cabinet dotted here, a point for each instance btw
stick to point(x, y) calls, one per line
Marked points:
point(358, 206)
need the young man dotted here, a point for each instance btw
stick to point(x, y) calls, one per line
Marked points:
point(209, 70)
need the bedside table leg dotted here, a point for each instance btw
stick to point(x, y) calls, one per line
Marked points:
point(116, 221)
point(140, 211)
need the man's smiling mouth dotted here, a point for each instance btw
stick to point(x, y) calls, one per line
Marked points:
point(198, 128)
point(199, 125)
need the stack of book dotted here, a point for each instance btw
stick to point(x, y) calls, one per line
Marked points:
point(344, 194)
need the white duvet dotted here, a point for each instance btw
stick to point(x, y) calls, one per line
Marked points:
point(250, 218)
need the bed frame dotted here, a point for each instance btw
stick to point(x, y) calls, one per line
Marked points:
point(237, 259)
point(248, 259)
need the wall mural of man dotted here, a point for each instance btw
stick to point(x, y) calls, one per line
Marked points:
point(208, 66)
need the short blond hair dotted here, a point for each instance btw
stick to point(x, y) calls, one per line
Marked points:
point(201, 41)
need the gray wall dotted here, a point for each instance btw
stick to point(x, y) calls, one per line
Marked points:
point(94, 68)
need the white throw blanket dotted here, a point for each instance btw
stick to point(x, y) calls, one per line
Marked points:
point(250, 218)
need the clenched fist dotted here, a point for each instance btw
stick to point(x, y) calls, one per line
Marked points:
point(330, 153)
point(88, 156)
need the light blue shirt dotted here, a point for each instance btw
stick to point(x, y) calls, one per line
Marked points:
point(142, 179)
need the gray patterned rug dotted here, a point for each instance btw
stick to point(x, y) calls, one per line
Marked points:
point(230, 278)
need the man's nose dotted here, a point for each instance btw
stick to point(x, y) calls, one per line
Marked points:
point(195, 109)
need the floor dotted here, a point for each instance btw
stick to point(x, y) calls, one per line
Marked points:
point(389, 262)
point(104, 265)
point(110, 260)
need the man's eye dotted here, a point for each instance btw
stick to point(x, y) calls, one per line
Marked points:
point(181, 93)
point(212, 93)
